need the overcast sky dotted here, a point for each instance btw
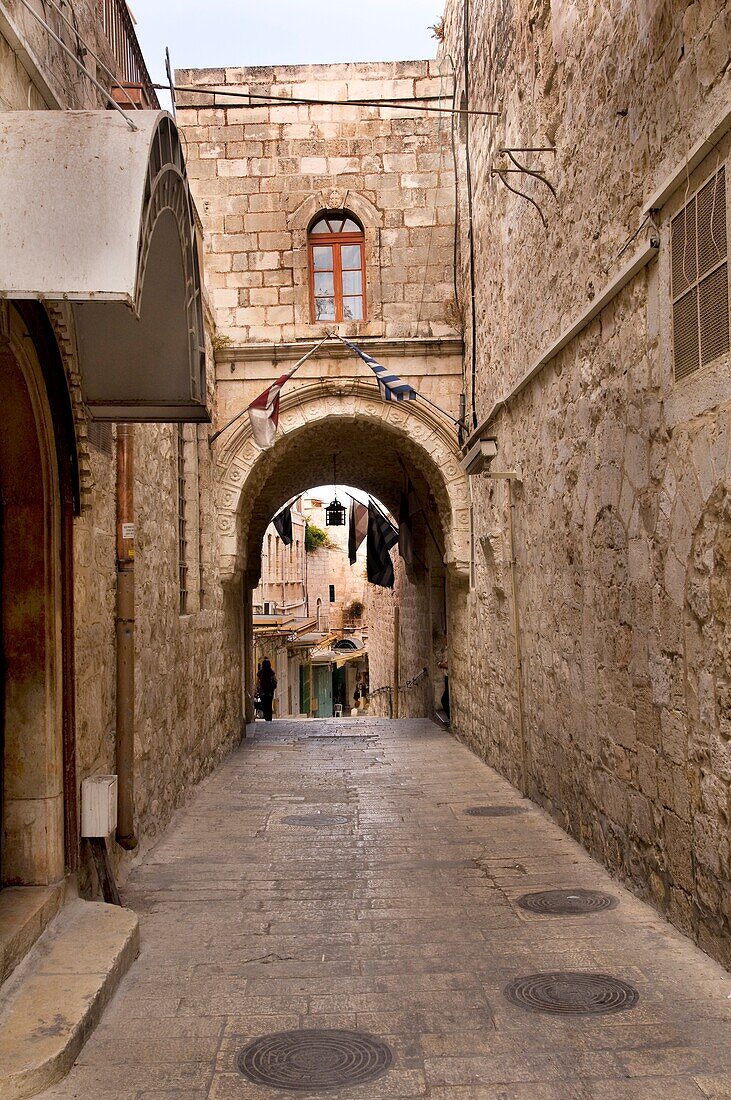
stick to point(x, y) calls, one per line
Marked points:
point(204, 33)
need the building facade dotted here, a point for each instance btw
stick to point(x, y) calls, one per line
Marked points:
point(596, 643)
point(60, 464)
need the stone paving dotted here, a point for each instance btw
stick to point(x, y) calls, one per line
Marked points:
point(401, 921)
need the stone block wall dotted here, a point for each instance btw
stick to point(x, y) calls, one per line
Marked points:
point(188, 694)
point(259, 174)
point(412, 597)
point(621, 515)
point(187, 675)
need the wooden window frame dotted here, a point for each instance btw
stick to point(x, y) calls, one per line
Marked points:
point(336, 241)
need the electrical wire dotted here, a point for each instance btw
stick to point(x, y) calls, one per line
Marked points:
point(470, 227)
point(82, 68)
point(414, 103)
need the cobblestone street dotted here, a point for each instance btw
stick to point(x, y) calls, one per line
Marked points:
point(382, 906)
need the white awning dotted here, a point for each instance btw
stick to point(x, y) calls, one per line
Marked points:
point(101, 215)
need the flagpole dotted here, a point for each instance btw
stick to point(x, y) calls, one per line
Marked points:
point(238, 416)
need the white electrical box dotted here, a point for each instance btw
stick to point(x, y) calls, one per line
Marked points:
point(98, 805)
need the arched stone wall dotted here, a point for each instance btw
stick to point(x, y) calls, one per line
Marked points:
point(315, 421)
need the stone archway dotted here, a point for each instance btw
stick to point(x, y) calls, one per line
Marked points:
point(378, 444)
point(32, 616)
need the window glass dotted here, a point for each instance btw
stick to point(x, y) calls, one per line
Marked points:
point(324, 285)
point(351, 283)
point(353, 309)
point(349, 226)
point(350, 257)
point(324, 309)
point(321, 226)
point(322, 258)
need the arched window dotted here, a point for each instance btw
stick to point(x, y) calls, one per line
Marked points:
point(337, 271)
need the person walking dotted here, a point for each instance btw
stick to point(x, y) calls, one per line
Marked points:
point(266, 683)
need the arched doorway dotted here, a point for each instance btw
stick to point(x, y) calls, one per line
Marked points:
point(34, 592)
point(380, 448)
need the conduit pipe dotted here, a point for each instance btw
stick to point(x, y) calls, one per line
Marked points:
point(125, 624)
point(518, 651)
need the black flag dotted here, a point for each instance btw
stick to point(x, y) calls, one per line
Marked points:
point(382, 535)
point(358, 528)
point(283, 525)
point(405, 532)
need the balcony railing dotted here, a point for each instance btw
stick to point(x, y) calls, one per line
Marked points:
point(135, 83)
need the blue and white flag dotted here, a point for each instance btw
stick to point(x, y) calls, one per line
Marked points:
point(391, 386)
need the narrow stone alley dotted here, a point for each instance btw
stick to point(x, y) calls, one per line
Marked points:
point(335, 875)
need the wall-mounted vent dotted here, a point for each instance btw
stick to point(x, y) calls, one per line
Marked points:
point(700, 289)
point(100, 436)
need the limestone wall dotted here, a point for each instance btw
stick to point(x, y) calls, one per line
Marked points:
point(188, 684)
point(412, 597)
point(622, 515)
point(330, 565)
point(260, 174)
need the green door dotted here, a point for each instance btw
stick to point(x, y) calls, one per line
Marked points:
point(323, 691)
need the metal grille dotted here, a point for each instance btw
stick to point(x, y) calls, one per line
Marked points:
point(182, 532)
point(100, 436)
point(699, 273)
point(494, 811)
point(314, 1059)
point(567, 903)
point(572, 993)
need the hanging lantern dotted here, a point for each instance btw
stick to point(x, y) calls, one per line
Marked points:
point(335, 514)
point(335, 511)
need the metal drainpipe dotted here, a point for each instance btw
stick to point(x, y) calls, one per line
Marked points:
point(125, 734)
point(516, 640)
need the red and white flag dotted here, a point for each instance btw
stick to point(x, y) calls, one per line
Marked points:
point(264, 412)
point(264, 409)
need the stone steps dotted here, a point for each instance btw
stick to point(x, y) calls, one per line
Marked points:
point(25, 913)
point(54, 999)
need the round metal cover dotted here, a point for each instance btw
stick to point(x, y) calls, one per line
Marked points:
point(494, 811)
point(572, 993)
point(567, 903)
point(316, 821)
point(314, 1059)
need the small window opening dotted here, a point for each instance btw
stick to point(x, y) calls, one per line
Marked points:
point(337, 269)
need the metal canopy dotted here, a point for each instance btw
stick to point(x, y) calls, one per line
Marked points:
point(100, 215)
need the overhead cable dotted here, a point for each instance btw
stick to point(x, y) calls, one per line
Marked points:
point(259, 99)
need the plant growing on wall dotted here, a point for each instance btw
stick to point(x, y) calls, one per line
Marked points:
point(356, 609)
point(316, 538)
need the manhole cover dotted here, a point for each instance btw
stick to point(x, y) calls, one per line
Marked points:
point(566, 903)
point(494, 811)
point(572, 993)
point(316, 821)
point(316, 1059)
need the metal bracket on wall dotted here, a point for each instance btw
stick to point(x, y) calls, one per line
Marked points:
point(508, 475)
point(522, 169)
